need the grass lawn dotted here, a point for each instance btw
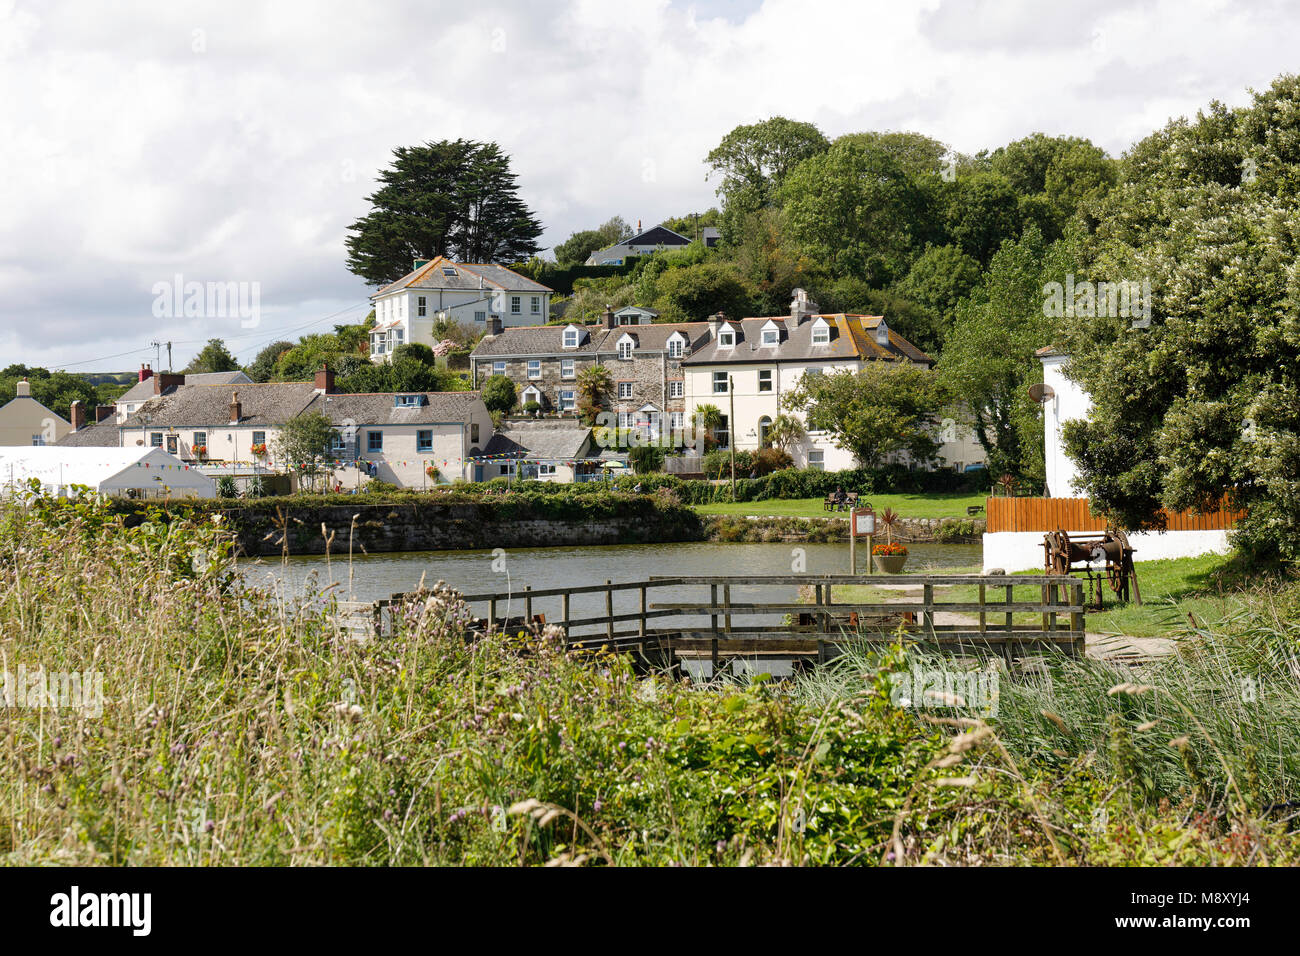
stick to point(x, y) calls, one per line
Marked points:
point(951, 505)
point(1209, 587)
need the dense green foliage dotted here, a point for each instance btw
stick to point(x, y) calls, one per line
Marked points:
point(457, 199)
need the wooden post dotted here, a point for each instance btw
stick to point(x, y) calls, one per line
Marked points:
point(984, 618)
point(1076, 617)
point(713, 623)
point(1054, 595)
point(1047, 590)
point(1008, 601)
point(726, 607)
point(641, 623)
point(528, 606)
point(609, 610)
point(928, 592)
point(492, 615)
point(564, 613)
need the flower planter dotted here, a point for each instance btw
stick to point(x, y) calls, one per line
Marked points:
point(890, 563)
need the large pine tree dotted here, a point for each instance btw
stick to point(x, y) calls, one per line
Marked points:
point(457, 199)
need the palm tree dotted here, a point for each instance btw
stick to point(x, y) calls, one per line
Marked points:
point(594, 385)
point(888, 518)
point(785, 432)
point(709, 418)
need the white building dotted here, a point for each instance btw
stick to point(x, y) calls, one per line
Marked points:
point(407, 310)
point(1063, 401)
point(130, 472)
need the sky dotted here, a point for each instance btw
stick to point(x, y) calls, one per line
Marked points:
point(145, 146)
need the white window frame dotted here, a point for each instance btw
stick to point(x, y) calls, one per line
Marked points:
point(727, 339)
point(625, 349)
point(821, 334)
point(536, 305)
point(568, 368)
point(819, 462)
point(499, 368)
point(571, 338)
point(719, 383)
point(625, 389)
point(676, 389)
point(676, 347)
point(421, 305)
point(534, 369)
point(568, 399)
point(516, 305)
point(762, 381)
point(771, 337)
point(676, 420)
point(545, 470)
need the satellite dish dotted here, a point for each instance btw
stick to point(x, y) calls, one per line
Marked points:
point(1041, 392)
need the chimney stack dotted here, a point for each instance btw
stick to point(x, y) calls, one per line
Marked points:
point(325, 379)
point(104, 411)
point(165, 381)
point(77, 415)
point(23, 389)
point(715, 323)
point(609, 317)
point(145, 372)
point(494, 325)
point(236, 410)
point(801, 306)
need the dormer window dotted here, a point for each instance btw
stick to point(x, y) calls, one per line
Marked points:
point(821, 332)
point(408, 401)
point(572, 337)
point(771, 336)
point(625, 347)
point(449, 272)
point(882, 334)
point(727, 339)
point(676, 346)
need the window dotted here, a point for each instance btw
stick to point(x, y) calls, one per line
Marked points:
point(473, 432)
point(155, 440)
point(570, 338)
point(624, 419)
point(625, 320)
point(675, 420)
point(722, 434)
point(338, 443)
point(625, 349)
point(675, 348)
point(449, 272)
point(812, 371)
point(379, 344)
point(374, 441)
point(765, 380)
point(259, 438)
point(38, 439)
point(536, 305)
point(568, 399)
point(534, 368)
point(821, 335)
point(424, 439)
point(624, 389)
point(516, 304)
point(771, 336)
point(764, 424)
point(406, 401)
point(200, 438)
point(726, 339)
point(498, 368)
point(508, 468)
point(480, 316)
point(719, 382)
point(566, 368)
point(399, 335)
point(420, 306)
point(817, 459)
point(546, 471)
point(676, 389)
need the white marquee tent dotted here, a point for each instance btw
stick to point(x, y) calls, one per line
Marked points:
point(137, 472)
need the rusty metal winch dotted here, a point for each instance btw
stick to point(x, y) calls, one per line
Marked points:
point(1105, 557)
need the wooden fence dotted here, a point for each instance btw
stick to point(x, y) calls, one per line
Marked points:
point(983, 616)
point(1072, 514)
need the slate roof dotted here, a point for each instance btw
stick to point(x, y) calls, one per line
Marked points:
point(548, 340)
point(143, 391)
point(852, 337)
point(100, 435)
point(468, 274)
point(549, 440)
point(273, 404)
point(656, 236)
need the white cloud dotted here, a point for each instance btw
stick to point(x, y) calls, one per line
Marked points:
point(230, 141)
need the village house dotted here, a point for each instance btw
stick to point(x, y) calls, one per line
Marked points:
point(408, 310)
point(148, 385)
point(552, 450)
point(655, 239)
point(25, 421)
point(410, 440)
point(644, 361)
point(754, 363)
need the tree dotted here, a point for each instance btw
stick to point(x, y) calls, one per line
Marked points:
point(594, 385)
point(855, 210)
point(753, 161)
point(1204, 403)
point(1054, 176)
point(988, 357)
point(708, 417)
point(785, 432)
point(937, 281)
point(262, 368)
point(883, 409)
point(304, 441)
point(983, 210)
point(580, 245)
point(55, 390)
point(696, 292)
point(499, 394)
point(213, 357)
point(457, 199)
